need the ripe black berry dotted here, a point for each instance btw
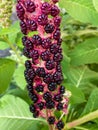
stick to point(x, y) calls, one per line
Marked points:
point(36, 114)
point(50, 104)
point(36, 39)
point(20, 11)
point(42, 19)
point(32, 108)
point(45, 55)
point(60, 125)
point(60, 106)
point(34, 54)
point(55, 10)
point(56, 34)
point(40, 72)
point(39, 88)
point(23, 27)
point(55, 1)
point(58, 97)
point(30, 6)
point(58, 77)
point(26, 52)
point(51, 120)
point(47, 96)
point(46, 43)
point(62, 89)
point(46, 8)
point(28, 64)
point(52, 86)
point(28, 44)
point(48, 78)
point(30, 88)
point(58, 68)
point(40, 105)
point(31, 25)
point(49, 28)
point(58, 57)
point(59, 41)
point(54, 48)
point(50, 64)
point(33, 96)
point(57, 21)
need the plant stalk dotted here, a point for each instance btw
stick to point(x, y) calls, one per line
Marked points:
point(82, 120)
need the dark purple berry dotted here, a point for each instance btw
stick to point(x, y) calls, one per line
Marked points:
point(51, 120)
point(34, 54)
point(36, 39)
point(58, 57)
point(30, 6)
point(39, 88)
point(59, 106)
point(50, 64)
point(40, 105)
point(57, 21)
point(26, 52)
point(30, 88)
point(20, 11)
point(46, 8)
point(50, 104)
point(46, 43)
point(33, 96)
point(52, 86)
point(62, 89)
point(42, 19)
point(23, 27)
point(31, 25)
point(28, 64)
point(54, 48)
point(60, 125)
point(28, 44)
point(58, 77)
point(24, 39)
point(59, 41)
point(57, 34)
point(55, 10)
point(36, 114)
point(32, 108)
point(40, 72)
point(47, 96)
point(48, 78)
point(58, 68)
point(45, 55)
point(49, 28)
point(55, 1)
point(58, 97)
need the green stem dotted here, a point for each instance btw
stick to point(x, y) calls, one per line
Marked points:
point(82, 120)
point(14, 49)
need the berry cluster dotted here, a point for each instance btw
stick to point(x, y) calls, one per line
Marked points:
point(43, 71)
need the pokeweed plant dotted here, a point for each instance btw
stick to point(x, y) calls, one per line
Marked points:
point(43, 71)
point(43, 25)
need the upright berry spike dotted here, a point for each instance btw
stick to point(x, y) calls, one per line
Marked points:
point(43, 69)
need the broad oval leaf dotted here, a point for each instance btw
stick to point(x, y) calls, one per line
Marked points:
point(82, 10)
point(15, 115)
point(92, 103)
point(85, 53)
point(7, 68)
point(95, 2)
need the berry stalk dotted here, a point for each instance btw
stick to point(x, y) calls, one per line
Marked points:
point(43, 69)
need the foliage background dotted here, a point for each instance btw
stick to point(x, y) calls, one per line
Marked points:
point(80, 69)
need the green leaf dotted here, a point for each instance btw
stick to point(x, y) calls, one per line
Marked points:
point(77, 95)
point(19, 77)
point(85, 53)
point(92, 103)
point(3, 45)
point(95, 2)
point(80, 76)
point(82, 10)
point(7, 68)
point(15, 115)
